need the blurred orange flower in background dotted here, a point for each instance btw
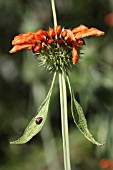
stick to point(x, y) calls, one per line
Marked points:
point(109, 19)
point(106, 164)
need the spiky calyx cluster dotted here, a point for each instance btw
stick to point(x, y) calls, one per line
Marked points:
point(56, 48)
point(56, 57)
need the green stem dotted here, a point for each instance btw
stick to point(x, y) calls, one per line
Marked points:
point(63, 103)
point(64, 121)
point(54, 13)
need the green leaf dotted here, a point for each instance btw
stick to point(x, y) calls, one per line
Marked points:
point(79, 118)
point(33, 128)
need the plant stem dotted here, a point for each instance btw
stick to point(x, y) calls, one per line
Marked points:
point(64, 121)
point(54, 13)
point(63, 104)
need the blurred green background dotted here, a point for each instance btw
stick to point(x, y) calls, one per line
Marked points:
point(24, 85)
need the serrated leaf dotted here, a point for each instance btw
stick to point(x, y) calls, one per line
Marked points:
point(33, 128)
point(79, 118)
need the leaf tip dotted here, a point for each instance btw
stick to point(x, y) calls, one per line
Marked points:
point(18, 141)
point(13, 142)
point(101, 144)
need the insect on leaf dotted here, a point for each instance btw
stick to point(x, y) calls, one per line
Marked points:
point(38, 121)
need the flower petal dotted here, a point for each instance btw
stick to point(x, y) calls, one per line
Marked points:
point(58, 29)
point(79, 29)
point(37, 48)
point(51, 32)
point(64, 33)
point(80, 42)
point(89, 32)
point(21, 47)
point(23, 38)
point(71, 35)
point(74, 54)
point(41, 33)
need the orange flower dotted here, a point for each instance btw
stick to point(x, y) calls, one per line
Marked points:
point(106, 164)
point(58, 29)
point(51, 32)
point(89, 32)
point(21, 47)
point(64, 33)
point(50, 41)
point(109, 19)
point(75, 53)
point(66, 38)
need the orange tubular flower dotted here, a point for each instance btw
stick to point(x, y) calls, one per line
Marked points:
point(64, 33)
point(58, 29)
point(51, 32)
point(55, 45)
point(75, 53)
